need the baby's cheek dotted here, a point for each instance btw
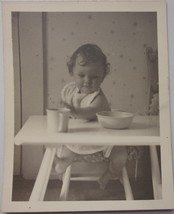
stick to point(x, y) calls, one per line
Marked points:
point(97, 84)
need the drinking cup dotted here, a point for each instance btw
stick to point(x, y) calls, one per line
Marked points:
point(63, 114)
point(52, 120)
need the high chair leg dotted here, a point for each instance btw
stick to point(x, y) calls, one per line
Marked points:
point(41, 182)
point(156, 177)
point(126, 185)
point(65, 184)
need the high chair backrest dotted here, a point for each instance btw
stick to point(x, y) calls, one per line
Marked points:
point(152, 66)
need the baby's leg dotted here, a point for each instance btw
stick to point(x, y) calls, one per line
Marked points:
point(61, 163)
point(118, 158)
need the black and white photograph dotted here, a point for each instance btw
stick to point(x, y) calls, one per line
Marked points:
point(87, 107)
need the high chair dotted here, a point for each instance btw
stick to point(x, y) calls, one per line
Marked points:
point(43, 176)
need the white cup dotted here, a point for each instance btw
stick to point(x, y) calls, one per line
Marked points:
point(63, 115)
point(52, 120)
point(58, 119)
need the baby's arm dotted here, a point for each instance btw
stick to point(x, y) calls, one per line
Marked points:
point(100, 103)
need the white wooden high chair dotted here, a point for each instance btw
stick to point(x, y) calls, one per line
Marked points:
point(43, 176)
point(156, 181)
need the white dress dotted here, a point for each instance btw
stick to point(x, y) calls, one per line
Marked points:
point(67, 95)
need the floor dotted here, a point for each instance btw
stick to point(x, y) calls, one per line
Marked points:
point(80, 190)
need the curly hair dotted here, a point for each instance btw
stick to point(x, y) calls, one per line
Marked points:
point(88, 53)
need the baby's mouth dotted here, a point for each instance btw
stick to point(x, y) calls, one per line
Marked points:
point(86, 85)
point(87, 88)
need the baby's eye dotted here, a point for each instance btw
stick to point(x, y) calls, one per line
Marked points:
point(81, 75)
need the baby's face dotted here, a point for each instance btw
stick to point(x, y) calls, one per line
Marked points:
point(88, 78)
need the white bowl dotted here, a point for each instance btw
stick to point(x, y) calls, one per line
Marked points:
point(115, 119)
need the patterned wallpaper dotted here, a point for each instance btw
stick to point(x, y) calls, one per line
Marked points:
point(123, 37)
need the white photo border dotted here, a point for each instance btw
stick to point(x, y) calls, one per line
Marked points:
point(165, 130)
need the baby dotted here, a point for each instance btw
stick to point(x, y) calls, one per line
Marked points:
point(88, 67)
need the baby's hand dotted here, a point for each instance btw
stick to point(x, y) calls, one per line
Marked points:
point(77, 98)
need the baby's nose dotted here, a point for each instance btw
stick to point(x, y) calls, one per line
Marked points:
point(87, 79)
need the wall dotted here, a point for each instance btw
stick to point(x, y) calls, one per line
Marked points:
point(123, 37)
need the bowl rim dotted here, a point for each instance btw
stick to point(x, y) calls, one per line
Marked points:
point(130, 114)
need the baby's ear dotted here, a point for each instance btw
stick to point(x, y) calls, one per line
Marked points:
point(108, 68)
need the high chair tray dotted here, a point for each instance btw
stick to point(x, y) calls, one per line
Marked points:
point(143, 131)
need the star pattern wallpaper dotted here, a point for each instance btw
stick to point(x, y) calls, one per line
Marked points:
point(123, 37)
